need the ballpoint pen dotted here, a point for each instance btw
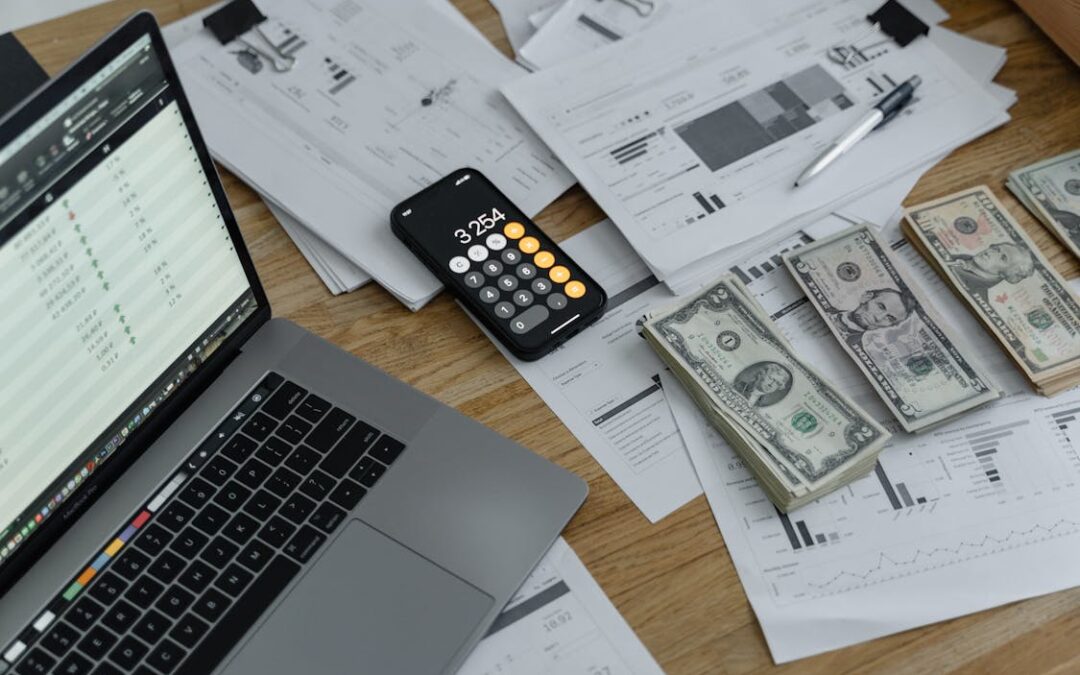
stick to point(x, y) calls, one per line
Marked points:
point(885, 110)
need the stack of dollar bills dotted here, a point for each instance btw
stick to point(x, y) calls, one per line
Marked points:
point(915, 363)
point(992, 265)
point(1050, 189)
point(798, 435)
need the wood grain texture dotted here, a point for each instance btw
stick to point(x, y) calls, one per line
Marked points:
point(674, 581)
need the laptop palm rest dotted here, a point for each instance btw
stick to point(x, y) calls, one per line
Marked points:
point(369, 605)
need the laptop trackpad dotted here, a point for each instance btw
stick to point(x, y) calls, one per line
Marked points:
point(369, 605)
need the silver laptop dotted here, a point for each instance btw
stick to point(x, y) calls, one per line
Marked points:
point(190, 486)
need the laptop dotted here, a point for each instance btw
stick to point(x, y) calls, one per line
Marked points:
point(186, 484)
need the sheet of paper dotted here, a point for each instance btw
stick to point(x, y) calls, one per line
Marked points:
point(696, 150)
point(972, 515)
point(335, 155)
point(339, 275)
point(515, 16)
point(560, 623)
point(604, 385)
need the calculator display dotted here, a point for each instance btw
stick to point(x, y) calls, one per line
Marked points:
point(514, 278)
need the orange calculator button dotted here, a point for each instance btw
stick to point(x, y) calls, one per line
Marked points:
point(514, 230)
point(559, 274)
point(574, 289)
point(544, 259)
point(529, 245)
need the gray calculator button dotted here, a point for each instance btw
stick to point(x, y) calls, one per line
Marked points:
point(504, 310)
point(489, 294)
point(556, 301)
point(459, 264)
point(511, 256)
point(526, 271)
point(508, 283)
point(492, 268)
point(541, 286)
point(475, 280)
point(529, 319)
point(523, 298)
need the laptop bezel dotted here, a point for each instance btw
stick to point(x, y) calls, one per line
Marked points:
point(15, 122)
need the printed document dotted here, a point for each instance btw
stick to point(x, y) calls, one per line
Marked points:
point(384, 99)
point(690, 134)
point(560, 622)
point(972, 515)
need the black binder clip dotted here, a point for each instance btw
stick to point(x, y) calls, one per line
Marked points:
point(237, 18)
point(896, 22)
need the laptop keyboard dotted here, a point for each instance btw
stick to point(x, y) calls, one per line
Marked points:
point(189, 573)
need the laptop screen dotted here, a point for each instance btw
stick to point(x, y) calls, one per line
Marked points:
point(119, 279)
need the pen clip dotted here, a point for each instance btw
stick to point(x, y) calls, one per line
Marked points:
point(279, 60)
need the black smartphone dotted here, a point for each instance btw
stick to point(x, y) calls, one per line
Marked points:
point(521, 286)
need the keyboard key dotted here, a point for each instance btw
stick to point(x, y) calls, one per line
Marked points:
point(153, 539)
point(211, 605)
point(284, 400)
point(211, 519)
point(197, 492)
point(121, 617)
point(359, 438)
point(282, 482)
point(386, 449)
point(167, 567)
point(272, 381)
point(374, 473)
point(188, 630)
point(152, 627)
point(76, 664)
point(128, 653)
point(131, 563)
point(327, 517)
point(189, 542)
point(361, 468)
point(108, 588)
point(302, 460)
point(241, 528)
point(318, 485)
point(347, 495)
point(293, 429)
point(232, 496)
point(218, 470)
point(297, 508)
point(175, 601)
point(253, 473)
point(239, 448)
point(85, 613)
point(197, 576)
point(144, 592)
point(176, 516)
point(60, 639)
point(166, 657)
point(273, 451)
point(219, 552)
point(255, 555)
point(37, 661)
point(97, 642)
point(304, 543)
point(247, 610)
point(276, 531)
point(234, 579)
point(313, 408)
point(330, 430)
point(260, 426)
point(106, 668)
point(261, 505)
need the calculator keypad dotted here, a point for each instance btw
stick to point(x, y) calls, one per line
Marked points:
point(522, 283)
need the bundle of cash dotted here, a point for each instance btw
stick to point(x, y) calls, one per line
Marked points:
point(1050, 189)
point(998, 271)
point(797, 434)
point(887, 326)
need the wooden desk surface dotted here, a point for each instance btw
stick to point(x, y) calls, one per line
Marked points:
point(673, 581)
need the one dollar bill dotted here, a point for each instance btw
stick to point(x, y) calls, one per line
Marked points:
point(991, 263)
point(889, 329)
point(1050, 189)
